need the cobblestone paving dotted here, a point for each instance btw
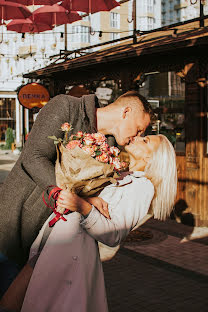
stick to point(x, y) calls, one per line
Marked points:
point(189, 255)
point(135, 283)
point(166, 273)
point(7, 161)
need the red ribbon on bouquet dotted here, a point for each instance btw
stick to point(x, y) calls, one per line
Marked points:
point(54, 193)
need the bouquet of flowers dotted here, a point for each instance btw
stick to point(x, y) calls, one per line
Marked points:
point(85, 162)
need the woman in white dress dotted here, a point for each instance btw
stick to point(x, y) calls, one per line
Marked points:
point(68, 275)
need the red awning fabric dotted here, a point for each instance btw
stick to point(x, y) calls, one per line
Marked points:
point(35, 2)
point(27, 26)
point(89, 6)
point(10, 10)
point(54, 15)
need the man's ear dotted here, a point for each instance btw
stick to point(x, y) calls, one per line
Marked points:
point(126, 110)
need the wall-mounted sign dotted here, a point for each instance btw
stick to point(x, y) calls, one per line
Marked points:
point(33, 95)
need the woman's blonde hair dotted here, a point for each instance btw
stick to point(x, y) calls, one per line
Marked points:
point(162, 171)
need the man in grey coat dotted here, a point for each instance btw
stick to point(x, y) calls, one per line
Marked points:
point(22, 211)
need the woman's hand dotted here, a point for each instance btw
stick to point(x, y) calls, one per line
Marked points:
point(71, 201)
point(100, 205)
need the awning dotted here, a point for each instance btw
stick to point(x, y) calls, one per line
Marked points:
point(150, 48)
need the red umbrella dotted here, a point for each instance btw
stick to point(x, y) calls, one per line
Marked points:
point(27, 25)
point(36, 2)
point(10, 10)
point(89, 6)
point(55, 15)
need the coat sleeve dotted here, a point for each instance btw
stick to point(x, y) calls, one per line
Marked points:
point(39, 154)
point(131, 208)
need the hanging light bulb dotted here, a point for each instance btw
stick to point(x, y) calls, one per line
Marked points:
point(100, 34)
point(174, 34)
point(23, 36)
point(62, 36)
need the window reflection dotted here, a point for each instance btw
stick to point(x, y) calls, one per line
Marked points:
point(166, 94)
point(207, 116)
point(7, 116)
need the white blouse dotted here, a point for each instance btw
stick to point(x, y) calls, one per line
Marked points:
point(128, 203)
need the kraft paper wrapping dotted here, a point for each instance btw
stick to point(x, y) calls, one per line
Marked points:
point(80, 173)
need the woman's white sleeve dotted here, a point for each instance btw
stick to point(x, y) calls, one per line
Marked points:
point(130, 209)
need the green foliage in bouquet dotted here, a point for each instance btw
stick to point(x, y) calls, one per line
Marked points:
point(55, 139)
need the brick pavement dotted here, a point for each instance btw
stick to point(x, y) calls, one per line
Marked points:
point(189, 255)
point(164, 273)
point(7, 161)
point(136, 283)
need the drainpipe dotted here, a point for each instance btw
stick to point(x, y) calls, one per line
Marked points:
point(201, 23)
point(134, 17)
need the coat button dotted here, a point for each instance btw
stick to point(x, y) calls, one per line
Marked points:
point(68, 282)
point(74, 257)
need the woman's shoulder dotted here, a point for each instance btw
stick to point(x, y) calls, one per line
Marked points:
point(139, 184)
point(133, 176)
point(140, 178)
point(129, 182)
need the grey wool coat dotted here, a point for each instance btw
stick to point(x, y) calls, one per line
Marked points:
point(22, 211)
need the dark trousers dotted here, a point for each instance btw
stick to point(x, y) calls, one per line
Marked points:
point(8, 272)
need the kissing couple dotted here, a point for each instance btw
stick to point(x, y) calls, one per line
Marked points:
point(65, 273)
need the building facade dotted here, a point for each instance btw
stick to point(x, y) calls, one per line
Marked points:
point(23, 53)
point(174, 11)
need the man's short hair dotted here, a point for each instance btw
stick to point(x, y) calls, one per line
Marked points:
point(136, 95)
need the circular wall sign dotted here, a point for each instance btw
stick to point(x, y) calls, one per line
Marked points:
point(33, 95)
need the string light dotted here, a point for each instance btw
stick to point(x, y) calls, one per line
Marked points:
point(100, 34)
point(62, 36)
point(174, 35)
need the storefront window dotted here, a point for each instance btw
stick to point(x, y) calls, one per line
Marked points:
point(7, 116)
point(166, 93)
point(207, 118)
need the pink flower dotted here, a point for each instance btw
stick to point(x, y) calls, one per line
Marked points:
point(88, 139)
point(89, 150)
point(79, 134)
point(66, 127)
point(73, 143)
point(114, 151)
point(110, 160)
point(103, 157)
point(104, 147)
point(99, 138)
point(124, 165)
point(116, 163)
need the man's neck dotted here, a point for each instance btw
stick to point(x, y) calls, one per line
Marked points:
point(104, 123)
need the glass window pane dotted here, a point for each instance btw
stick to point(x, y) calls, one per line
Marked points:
point(7, 116)
point(166, 94)
point(207, 117)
